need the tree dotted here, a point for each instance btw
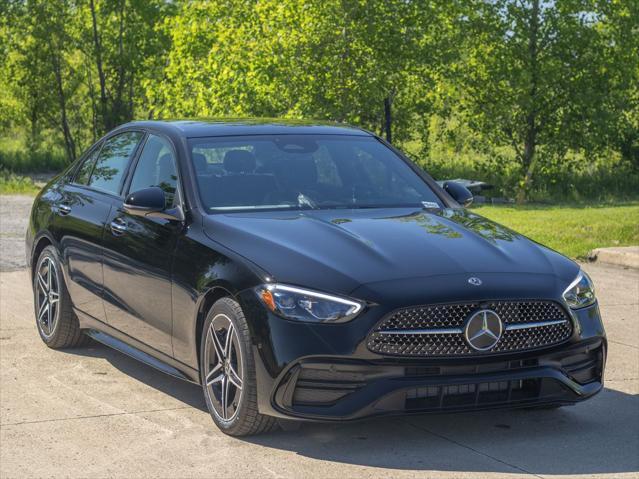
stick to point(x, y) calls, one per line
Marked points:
point(43, 77)
point(342, 60)
point(525, 84)
point(121, 44)
point(542, 76)
point(61, 53)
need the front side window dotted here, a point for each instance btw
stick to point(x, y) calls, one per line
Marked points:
point(114, 157)
point(156, 167)
point(84, 172)
point(304, 171)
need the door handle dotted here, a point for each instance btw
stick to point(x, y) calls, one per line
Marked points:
point(63, 209)
point(118, 227)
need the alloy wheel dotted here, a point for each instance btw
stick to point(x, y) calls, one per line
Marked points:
point(223, 367)
point(47, 296)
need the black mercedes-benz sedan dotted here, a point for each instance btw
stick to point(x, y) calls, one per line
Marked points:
point(305, 271)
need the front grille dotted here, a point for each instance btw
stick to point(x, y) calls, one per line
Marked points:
point(437, 330)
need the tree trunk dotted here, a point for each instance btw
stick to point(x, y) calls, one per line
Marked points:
point(69, 143)
point(94, 108)
point(34, 131)
point(118, 103)
point(529, 159)
point(388, 119)
point(131, 96)
point(106, 122)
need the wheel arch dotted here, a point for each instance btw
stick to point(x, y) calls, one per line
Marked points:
point(213, 294)
point(39, 244)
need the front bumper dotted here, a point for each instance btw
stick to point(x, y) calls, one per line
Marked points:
point(330, 390)
point(325, 371)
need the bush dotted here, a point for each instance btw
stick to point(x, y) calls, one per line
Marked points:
point(575, 178)
point(12, 184)
point(22, 161)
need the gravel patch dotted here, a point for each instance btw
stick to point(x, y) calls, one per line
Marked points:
point(14, 218)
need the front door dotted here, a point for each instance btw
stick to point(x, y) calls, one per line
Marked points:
point(138, 252)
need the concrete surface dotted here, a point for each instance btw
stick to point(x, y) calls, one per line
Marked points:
point(14, 217)
point(93, 412)
point(627, 256)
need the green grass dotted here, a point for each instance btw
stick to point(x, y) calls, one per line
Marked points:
point(571, 230)
point(12, 184)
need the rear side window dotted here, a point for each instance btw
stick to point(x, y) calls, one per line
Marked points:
point(156, 167)
point(84, 172)
point(113, 160)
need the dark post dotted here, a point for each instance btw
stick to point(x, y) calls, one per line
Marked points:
point(387, 118)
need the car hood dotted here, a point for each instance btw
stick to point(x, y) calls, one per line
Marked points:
point(339, 250)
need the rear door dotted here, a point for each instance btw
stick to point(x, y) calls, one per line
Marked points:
point(78, 225)
point(138, 252)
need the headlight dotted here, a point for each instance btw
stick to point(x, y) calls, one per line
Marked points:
point(304, 305)
point(581, 292)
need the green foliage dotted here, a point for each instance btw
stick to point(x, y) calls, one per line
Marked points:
point(571, 230)
point(12, 184)
point(75, 68)
point(22, 161)
point(336, 60)
point(539, 97)
point(545, 77)
point(16, 157)
point(575, 177)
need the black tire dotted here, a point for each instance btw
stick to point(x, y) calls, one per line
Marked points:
point(246, 419)
point(61, 328)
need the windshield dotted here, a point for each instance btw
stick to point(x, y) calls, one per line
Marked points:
point(304, 172)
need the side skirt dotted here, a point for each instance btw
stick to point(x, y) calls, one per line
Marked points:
point(105, 334)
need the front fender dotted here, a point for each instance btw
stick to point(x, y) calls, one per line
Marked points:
point(218, 272)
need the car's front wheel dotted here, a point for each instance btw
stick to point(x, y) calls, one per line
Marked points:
point(227, 372)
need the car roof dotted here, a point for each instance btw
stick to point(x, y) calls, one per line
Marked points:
point(198, 128)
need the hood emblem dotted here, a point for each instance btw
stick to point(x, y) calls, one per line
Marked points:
point(483, 330)
point(474, 281)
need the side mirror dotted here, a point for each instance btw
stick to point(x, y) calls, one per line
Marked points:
point(151, 202)
point(460, 193)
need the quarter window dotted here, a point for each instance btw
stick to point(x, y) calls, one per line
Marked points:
point(156, 167)
point(113, 160)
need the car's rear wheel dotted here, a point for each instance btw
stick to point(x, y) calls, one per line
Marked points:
point(57, 323)
point(227, 372)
